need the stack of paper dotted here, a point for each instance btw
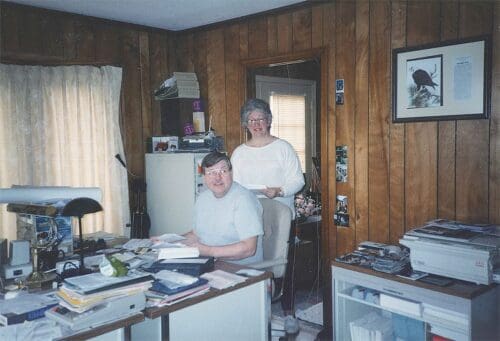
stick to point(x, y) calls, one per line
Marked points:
point(171, 286)
point(81, 303)
point(134, 244)
point(159, 299)
point(25, 307)
point(178, 252)
point(219, 279)
point(371, 327)
point(180, 85)
point(82, 293)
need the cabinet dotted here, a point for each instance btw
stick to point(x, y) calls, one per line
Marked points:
point(308, 253)
point(175, 113)
point(462, 311)
point(174, 180)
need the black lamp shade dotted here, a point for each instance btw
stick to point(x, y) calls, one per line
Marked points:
point(80, 206)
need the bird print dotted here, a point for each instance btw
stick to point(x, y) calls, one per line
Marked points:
point(422, 78)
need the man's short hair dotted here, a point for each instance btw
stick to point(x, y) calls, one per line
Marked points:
point(215, 157)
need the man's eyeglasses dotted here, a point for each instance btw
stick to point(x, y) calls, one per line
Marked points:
point(214, 172)
point(258, 121)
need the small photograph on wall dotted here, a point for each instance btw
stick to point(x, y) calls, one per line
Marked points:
point(424, 77)
point(341, 163)
point(341, 216)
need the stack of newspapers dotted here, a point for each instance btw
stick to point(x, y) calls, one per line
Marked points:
point(180, 85)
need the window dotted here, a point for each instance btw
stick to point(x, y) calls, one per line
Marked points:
point(61, 128)
point(293, 104)
point(289, 119)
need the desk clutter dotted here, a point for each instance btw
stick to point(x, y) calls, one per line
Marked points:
point(439, 252)
point(124, 280)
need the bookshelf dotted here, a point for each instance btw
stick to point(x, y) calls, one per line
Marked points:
point(175, 113)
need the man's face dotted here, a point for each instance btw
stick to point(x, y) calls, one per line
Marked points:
point(218, 178)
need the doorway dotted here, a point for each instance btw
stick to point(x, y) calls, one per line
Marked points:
point(290, 82)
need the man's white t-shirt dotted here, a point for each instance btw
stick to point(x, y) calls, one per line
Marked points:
point(230, 219)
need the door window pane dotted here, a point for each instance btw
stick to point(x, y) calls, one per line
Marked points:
point(289, 119)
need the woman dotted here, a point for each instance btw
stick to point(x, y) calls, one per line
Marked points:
point(265, 159)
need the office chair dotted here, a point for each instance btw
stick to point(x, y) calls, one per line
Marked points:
point(277, 223)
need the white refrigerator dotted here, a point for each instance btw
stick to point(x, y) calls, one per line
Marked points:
point(173, 182)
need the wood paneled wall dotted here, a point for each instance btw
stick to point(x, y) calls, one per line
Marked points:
point(400, 175)
point(41, 37)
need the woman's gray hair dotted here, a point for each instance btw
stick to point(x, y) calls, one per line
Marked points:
point(255, 104)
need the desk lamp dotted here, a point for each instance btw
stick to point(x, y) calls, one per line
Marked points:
point(78, 208)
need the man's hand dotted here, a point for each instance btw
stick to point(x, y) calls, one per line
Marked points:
point(191, 240)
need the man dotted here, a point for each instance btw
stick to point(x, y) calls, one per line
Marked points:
point(227, 217)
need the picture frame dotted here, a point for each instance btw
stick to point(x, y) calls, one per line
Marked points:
point(444, 81)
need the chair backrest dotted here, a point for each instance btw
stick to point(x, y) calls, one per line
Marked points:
point(277, 218)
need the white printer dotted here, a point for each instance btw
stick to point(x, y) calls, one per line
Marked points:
point(451, 249)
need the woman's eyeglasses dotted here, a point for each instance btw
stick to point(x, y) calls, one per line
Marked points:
point(258, 121)
point(214, 172)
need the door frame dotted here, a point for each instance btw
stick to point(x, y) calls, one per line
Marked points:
point(326, 125)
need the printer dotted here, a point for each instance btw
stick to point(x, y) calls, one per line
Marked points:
point(460, 251)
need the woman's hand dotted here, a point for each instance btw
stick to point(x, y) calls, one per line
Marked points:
point(271, 192)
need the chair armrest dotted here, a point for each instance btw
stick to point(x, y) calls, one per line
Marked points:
point(268, 263)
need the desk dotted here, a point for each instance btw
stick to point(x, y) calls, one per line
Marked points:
point(116, 330)
point(461, 311)
point(241, 312)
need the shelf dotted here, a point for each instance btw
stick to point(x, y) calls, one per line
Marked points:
point(446, 314)
point(349, 297)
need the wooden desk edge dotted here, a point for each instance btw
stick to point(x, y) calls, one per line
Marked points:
point(155, 312)
point(462, 289)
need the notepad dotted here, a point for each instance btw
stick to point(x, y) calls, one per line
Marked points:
point(178, 252)
point(255, 188)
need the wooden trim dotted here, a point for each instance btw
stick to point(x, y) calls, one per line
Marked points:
point(282, 58)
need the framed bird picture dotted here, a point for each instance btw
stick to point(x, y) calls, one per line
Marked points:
point(444, 81)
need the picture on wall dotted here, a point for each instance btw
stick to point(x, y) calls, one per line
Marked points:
point(443, 81)
point(424, 79)
point(341, 163)
point(341, 215)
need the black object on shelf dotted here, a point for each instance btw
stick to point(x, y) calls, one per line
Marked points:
point(78, 208)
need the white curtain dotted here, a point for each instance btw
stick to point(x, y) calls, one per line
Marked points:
point(60, 127)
